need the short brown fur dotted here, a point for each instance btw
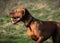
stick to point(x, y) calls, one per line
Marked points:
point(38, 30)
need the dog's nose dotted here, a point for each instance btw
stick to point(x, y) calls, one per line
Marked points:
point(9, 14)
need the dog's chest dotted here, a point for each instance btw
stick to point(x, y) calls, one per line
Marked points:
point(31, 34)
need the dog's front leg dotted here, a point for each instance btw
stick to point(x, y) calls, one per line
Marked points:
point(40, 40)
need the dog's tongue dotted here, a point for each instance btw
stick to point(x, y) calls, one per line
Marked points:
point(15, 20)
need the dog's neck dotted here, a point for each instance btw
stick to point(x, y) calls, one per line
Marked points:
point(28, 20)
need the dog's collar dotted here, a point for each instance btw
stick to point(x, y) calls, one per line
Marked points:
point(27, 25)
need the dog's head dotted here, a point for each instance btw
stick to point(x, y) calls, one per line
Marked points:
point(18, 14)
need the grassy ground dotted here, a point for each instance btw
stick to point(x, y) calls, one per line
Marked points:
point(17, 33)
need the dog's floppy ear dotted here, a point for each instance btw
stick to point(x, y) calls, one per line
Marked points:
point(26, 12)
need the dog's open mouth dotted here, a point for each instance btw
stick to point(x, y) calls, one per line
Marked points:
point(15, 20)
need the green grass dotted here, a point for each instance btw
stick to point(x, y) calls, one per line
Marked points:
point(13, 35)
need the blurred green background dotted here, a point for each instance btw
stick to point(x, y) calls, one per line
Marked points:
point(41, 9)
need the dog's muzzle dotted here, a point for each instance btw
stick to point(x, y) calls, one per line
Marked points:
point(16, 20)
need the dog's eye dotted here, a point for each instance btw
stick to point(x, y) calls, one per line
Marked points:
point(16, 10)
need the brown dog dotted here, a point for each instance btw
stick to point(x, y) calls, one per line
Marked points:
point(38, 30)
